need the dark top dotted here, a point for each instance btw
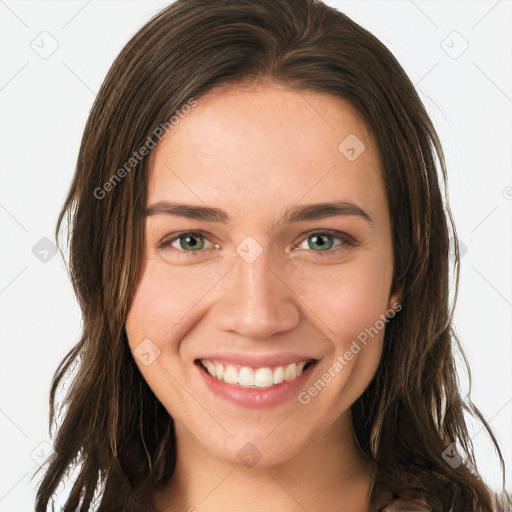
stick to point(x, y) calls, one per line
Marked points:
point(400, 503)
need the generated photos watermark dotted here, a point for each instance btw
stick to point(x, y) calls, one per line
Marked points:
point(143, 151)
point(304, 397)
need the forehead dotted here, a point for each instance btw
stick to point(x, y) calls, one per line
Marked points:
point(259, 146)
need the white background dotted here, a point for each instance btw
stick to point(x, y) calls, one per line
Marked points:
point(44, 104)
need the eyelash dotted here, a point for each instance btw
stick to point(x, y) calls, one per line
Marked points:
point(346, 241)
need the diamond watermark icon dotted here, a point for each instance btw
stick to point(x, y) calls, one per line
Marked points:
point(146, 352)
point(45, 45)
point(44, 250)
point(249, 249)
point(351, 147)
point(249, 454)
point(41, 452)
point(454, 45)
point(462, 249)
point(451, 456)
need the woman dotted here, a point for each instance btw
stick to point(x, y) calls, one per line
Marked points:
point(260, 250)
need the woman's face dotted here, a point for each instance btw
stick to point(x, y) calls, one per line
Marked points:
point(248, 277)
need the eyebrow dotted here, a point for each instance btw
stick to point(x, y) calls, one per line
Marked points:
point(292, 214)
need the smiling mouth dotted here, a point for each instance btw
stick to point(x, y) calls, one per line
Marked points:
point(245, 376)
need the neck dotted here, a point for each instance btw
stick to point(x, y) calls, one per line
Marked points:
point(326, 475)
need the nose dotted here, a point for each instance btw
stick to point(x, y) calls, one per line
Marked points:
point(257, 300)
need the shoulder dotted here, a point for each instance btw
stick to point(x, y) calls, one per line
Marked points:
point(399, 503)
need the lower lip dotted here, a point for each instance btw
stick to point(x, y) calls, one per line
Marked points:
point(255, 397)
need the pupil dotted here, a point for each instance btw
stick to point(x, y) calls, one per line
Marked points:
point(317, 240)
point(190, 240)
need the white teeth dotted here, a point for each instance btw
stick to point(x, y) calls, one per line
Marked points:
point(246, 376)
point(263, 378)
point(210, 367)
point(290, 372)
point(219, 371)
point(259, 377)
point(278, 375)
point(231, 375)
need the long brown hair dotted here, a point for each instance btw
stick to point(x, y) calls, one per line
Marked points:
point(113, 428)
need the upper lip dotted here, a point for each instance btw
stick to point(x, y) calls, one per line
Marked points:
point(258, 360)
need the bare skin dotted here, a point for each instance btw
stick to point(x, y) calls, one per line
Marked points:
point(256, 151)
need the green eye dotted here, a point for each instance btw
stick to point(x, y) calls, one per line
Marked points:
point(319, 242)
point(323, 242)
point(187, 242)
point(191, 241)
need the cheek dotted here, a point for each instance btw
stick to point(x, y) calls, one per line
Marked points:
point(348, 304)
point(347, 299)
point(164, 298)
point(167, 300)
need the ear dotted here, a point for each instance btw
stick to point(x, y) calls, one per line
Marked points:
point(395, 295)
